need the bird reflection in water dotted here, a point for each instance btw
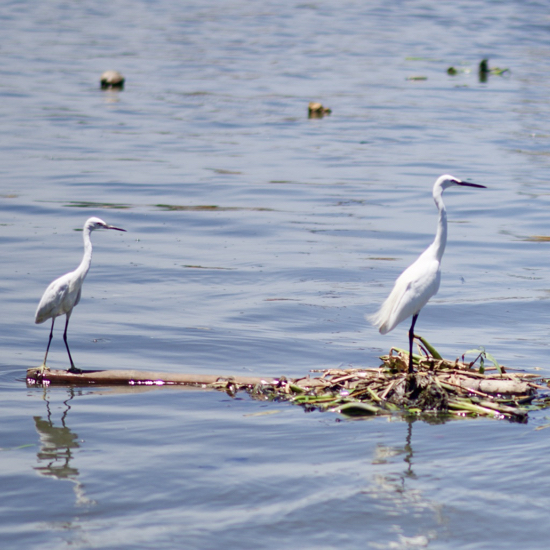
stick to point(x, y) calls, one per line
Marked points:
point(57, 444)
point(402, 497)
point(383, 454)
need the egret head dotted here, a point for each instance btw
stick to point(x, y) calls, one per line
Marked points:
point(97, 223)
point(445, 181)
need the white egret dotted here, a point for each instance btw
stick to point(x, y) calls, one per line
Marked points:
point(64, 293)
point(420, 281)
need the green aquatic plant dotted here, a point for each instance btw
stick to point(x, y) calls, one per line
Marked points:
point(482, 355)
point(484, 69)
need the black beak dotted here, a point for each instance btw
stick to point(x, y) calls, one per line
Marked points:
point(469, 184)
point(117, 228)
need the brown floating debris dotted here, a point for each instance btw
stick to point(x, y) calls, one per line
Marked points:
point(111, 80)
point(438, 389)
point(538, 238)
point(316, 110)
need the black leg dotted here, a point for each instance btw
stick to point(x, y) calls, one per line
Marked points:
point(411, 338)
point(49, 342)
point(73, 368)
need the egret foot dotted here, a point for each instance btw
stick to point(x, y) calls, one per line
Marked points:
point(74, 370)
point(411, 385)
point(41, 370)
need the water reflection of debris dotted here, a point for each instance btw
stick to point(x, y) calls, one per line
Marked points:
point(57, 444)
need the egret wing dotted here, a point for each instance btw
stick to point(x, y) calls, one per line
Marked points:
point(412, 290)
point(53, 302)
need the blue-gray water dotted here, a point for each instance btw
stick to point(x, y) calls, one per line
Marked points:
point(315, 220)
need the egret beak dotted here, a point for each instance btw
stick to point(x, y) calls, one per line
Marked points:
point(113, 227)
point(469, 184)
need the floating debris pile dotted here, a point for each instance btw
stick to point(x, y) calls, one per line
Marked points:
point(438, 388)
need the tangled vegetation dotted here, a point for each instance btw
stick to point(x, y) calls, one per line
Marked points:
point(439, 388)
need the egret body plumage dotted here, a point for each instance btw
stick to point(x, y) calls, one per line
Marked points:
point(63, 294)
point(420, 281)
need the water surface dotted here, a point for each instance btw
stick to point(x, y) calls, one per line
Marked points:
point(257, 239)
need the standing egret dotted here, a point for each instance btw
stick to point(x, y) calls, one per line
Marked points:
point(420, 281)
point(64, 293)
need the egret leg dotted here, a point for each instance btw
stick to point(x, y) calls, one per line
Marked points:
point(43, 367)
point(73, 368)
point(411, 338)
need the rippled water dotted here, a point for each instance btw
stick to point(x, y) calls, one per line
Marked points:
point(257, 239)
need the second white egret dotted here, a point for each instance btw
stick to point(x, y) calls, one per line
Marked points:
point(63, 294)
point(420, 281)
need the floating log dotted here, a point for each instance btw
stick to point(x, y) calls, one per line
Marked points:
point(135, 377)
point(489, 385)
point(153, 378)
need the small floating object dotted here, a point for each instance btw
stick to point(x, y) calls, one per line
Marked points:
point(485, 71)
point(316, 110)
point(111, 80)
point(453, 71)
point(484, 66)
point(417, 78)
point(538, 238)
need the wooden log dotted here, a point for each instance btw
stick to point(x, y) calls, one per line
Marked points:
point(489, 385)
point(135, 377)
point(152, 378)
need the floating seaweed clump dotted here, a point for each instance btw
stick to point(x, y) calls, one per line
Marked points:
point(439, 388)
